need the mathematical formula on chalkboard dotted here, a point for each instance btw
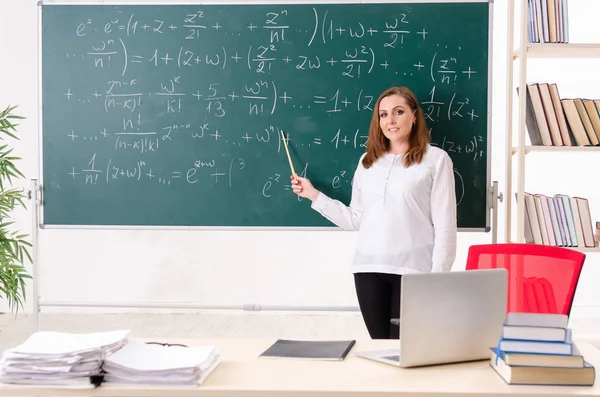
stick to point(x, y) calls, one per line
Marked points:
point(197, 96)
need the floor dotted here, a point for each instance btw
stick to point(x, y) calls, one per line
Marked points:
point(14, 330)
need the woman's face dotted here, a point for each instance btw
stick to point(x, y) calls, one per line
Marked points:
point(396, 119)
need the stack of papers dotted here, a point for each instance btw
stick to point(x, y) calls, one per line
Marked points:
point(60, 359)
point(142, 363)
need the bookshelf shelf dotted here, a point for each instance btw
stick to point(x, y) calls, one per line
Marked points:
point(560, 50)
point(543, 149)
point(585, 249)
point(581, 249)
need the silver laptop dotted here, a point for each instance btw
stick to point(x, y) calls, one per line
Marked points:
point(447, 317)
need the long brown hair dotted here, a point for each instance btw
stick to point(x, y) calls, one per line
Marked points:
point(378, 144)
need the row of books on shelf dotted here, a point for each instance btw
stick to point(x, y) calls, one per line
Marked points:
point(552, 121)
point(558, 220)
point(538, 349)
point(548, 21)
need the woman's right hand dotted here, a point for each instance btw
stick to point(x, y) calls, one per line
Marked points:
point(303, 188)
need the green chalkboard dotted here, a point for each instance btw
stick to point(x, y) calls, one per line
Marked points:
point(170, 115)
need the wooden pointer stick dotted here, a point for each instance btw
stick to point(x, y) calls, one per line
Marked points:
point(288, 153)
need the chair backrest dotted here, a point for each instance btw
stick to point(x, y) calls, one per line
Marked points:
point(541, 278)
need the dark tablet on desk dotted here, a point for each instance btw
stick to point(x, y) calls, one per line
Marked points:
point(309, 350)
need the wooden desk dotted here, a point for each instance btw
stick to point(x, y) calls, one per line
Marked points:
point(242, 373)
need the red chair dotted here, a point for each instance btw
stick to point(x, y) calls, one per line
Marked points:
point(541, 278)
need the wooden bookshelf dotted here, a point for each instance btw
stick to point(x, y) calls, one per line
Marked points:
point(516, 150)
point(542, 149)
point(580, 249)
point(560, 50)
point(585, 249)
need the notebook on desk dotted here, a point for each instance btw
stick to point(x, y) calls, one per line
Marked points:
point(447, 317)
point(309, 350)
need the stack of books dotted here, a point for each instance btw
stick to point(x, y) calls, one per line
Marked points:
point(555, 121)
point(560, 220)
point(548, 21)
point(538, 349)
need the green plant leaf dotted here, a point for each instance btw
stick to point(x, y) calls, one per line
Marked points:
point(13, 244)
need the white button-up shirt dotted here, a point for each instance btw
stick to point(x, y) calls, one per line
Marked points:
point(406, 217)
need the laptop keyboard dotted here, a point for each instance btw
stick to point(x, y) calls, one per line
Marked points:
point(392, 358)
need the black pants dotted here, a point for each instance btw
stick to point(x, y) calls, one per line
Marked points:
point(379, 300)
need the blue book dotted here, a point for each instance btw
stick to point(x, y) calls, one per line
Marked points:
point(539, 375)
point(541, 360)
point(537, 346)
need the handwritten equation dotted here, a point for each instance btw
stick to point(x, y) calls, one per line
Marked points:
point(212, 172)
point(270, 28)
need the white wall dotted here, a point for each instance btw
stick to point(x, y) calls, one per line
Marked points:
point(300, 269)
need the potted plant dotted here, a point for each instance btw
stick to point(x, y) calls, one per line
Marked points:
point(14, 247)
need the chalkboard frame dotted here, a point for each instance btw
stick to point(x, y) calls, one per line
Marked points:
point(40, 215)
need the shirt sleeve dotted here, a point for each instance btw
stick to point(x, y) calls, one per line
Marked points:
point(443, 215)
point(346, 217)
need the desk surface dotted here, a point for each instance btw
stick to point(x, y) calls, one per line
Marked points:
point(242, 373)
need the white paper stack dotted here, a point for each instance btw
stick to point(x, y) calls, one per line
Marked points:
point(59, 359)
point(141, 363)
